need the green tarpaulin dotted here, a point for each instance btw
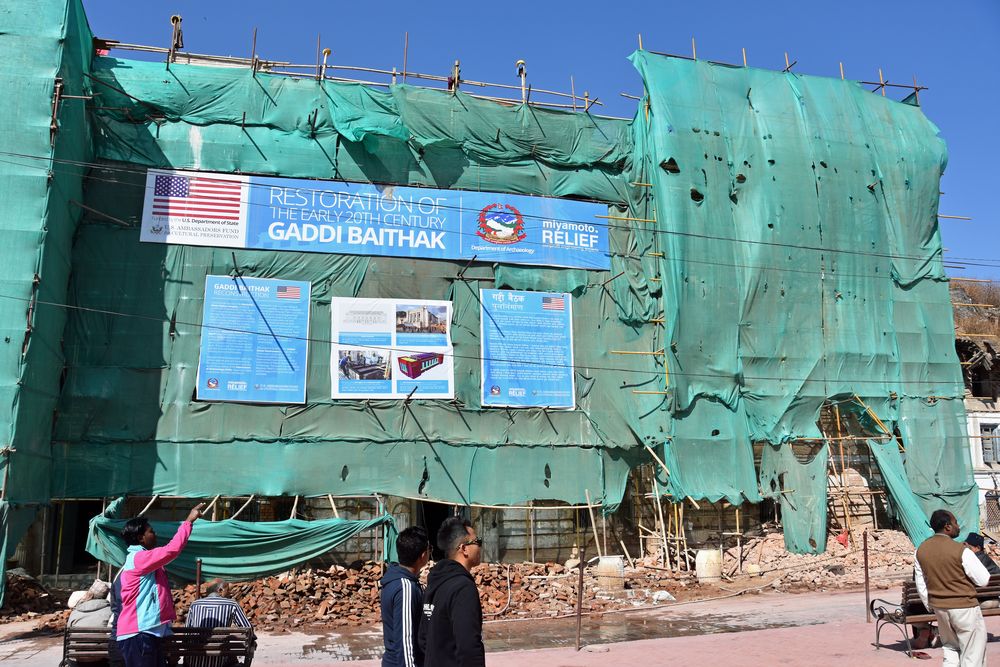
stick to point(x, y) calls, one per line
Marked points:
point(238, 550)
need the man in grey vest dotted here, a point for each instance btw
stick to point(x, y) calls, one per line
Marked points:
point(946, 574)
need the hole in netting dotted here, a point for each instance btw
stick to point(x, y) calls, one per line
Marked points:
point(697, 196)
point(812, 543)
point(770, 225)
point(740, 178)
point(771, 162)
point(548, 471)
point(715, 432)
point(822, 164)
point(344, 472)
point(732, 198)
point(670, 166)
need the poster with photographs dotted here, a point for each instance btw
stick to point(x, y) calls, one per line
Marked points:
point(390, 348)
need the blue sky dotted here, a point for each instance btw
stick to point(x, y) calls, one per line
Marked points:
point(950, 47)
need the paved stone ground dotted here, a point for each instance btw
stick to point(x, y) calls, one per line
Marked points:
point(768, 629)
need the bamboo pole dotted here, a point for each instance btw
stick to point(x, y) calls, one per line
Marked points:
point(739, 543)
point(243, 507)
point(684, 537)
point(211, 506)
point(663, 525)
point(604, 530)
point(593, 524)
point(658, 460)
point(333, 505)
point(627, 555)
point(148, 505)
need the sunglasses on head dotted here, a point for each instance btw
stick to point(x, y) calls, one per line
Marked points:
point(478, 542)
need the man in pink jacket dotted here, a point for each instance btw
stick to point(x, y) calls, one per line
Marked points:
point(147, 605)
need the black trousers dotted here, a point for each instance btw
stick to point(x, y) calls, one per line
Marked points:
point(142, 650)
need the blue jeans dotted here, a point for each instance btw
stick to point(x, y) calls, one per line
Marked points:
point(142, 650)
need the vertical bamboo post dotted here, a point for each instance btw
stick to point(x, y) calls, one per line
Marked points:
point(406, 50)
point(604, 530)
point(681, 562)
point(868, 594)
point(684, 537)
point(844, 497)
point(579, 591)
point(739, 543)
point(663, 525)
point(531, 530)
point(197, 578)
point(744, 56)
point(62, 524)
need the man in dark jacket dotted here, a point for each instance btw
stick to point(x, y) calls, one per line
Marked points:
point(977, 545)
point(451, 633)
point(402, 600)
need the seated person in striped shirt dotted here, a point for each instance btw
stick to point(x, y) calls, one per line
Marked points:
point(216, 610)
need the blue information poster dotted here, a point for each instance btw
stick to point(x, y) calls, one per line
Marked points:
point(224, 210)
point(254, 340)
point(391, 348)
point(527, 342)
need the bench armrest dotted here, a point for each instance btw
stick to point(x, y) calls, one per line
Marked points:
point(884, 610)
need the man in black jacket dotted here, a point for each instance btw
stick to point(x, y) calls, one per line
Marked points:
point(402, 600)
point(451, 633)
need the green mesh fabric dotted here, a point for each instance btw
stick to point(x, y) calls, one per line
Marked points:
point(801, 262)
point(774, 245)
point(239, 550)
point(44, 47)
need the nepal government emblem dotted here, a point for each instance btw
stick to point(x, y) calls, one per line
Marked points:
point(501, 224)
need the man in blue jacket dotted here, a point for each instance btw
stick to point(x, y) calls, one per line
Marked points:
point(402, 600)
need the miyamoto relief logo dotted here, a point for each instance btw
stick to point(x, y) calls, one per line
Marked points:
point(501, 224)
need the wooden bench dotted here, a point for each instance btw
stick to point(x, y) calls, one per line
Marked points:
point(88, 643)
point(911, 609)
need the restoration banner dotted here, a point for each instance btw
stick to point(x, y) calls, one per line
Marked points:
point(197, 208)
point(390, 348)
point(254, 340)
point(527, 342)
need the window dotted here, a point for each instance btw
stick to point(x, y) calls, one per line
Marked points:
point(989, 436)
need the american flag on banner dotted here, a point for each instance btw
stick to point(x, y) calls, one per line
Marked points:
point(289, 292)
point(197, 197)
point(553, 303)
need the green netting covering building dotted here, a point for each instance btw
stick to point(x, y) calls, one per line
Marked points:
point(773, 247)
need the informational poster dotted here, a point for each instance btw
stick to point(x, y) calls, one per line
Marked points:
point(391, 348)
point(527, 340)
point(268, 213)
point(254, 340)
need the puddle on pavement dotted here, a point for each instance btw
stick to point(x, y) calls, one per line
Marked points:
point(363, 644)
